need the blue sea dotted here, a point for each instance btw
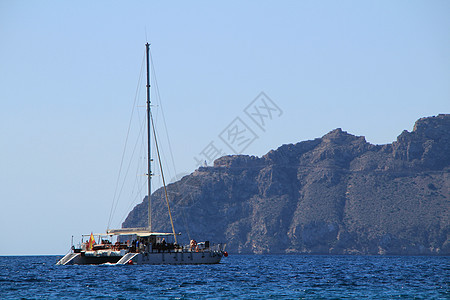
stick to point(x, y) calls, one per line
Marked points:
point(236, 277)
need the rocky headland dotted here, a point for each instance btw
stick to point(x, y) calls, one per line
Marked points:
point(337, 194)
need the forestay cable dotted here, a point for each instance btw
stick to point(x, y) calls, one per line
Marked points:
point(115, 197)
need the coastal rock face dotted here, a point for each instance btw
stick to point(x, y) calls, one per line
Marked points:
point(336, 194)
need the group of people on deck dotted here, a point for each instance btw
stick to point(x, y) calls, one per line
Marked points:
point(139, 245)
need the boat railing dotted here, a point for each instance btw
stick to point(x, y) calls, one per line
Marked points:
point(160, 248)
point(201, 247)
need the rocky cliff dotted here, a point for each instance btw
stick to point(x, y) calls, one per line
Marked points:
point(337, 194)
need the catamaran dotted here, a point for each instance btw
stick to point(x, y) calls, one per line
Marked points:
point(143, 245)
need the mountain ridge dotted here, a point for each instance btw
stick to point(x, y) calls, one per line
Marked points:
point(337, 194)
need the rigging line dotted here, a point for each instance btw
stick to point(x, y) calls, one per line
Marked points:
point(128, 168)
point(162, 176)
point(162, 113)
point(183, 214)
point(167, 133)
point(117, 196)
point(133, 200)
point(138, 169)
point(125, 145)
point(156, 118)
point(138, 183)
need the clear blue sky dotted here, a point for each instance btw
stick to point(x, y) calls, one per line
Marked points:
point(69, 69)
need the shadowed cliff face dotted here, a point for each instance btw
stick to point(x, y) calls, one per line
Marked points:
point(333, 195)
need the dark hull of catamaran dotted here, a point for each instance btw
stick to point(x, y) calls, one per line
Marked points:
point(92, 259)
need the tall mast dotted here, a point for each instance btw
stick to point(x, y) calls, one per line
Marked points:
point(149, 160)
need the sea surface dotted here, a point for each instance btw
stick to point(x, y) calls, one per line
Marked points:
point(236, 277)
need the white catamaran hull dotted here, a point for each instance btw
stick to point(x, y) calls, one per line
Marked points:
point(177, 258)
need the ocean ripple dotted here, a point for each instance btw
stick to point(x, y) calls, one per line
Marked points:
point(238, 277)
